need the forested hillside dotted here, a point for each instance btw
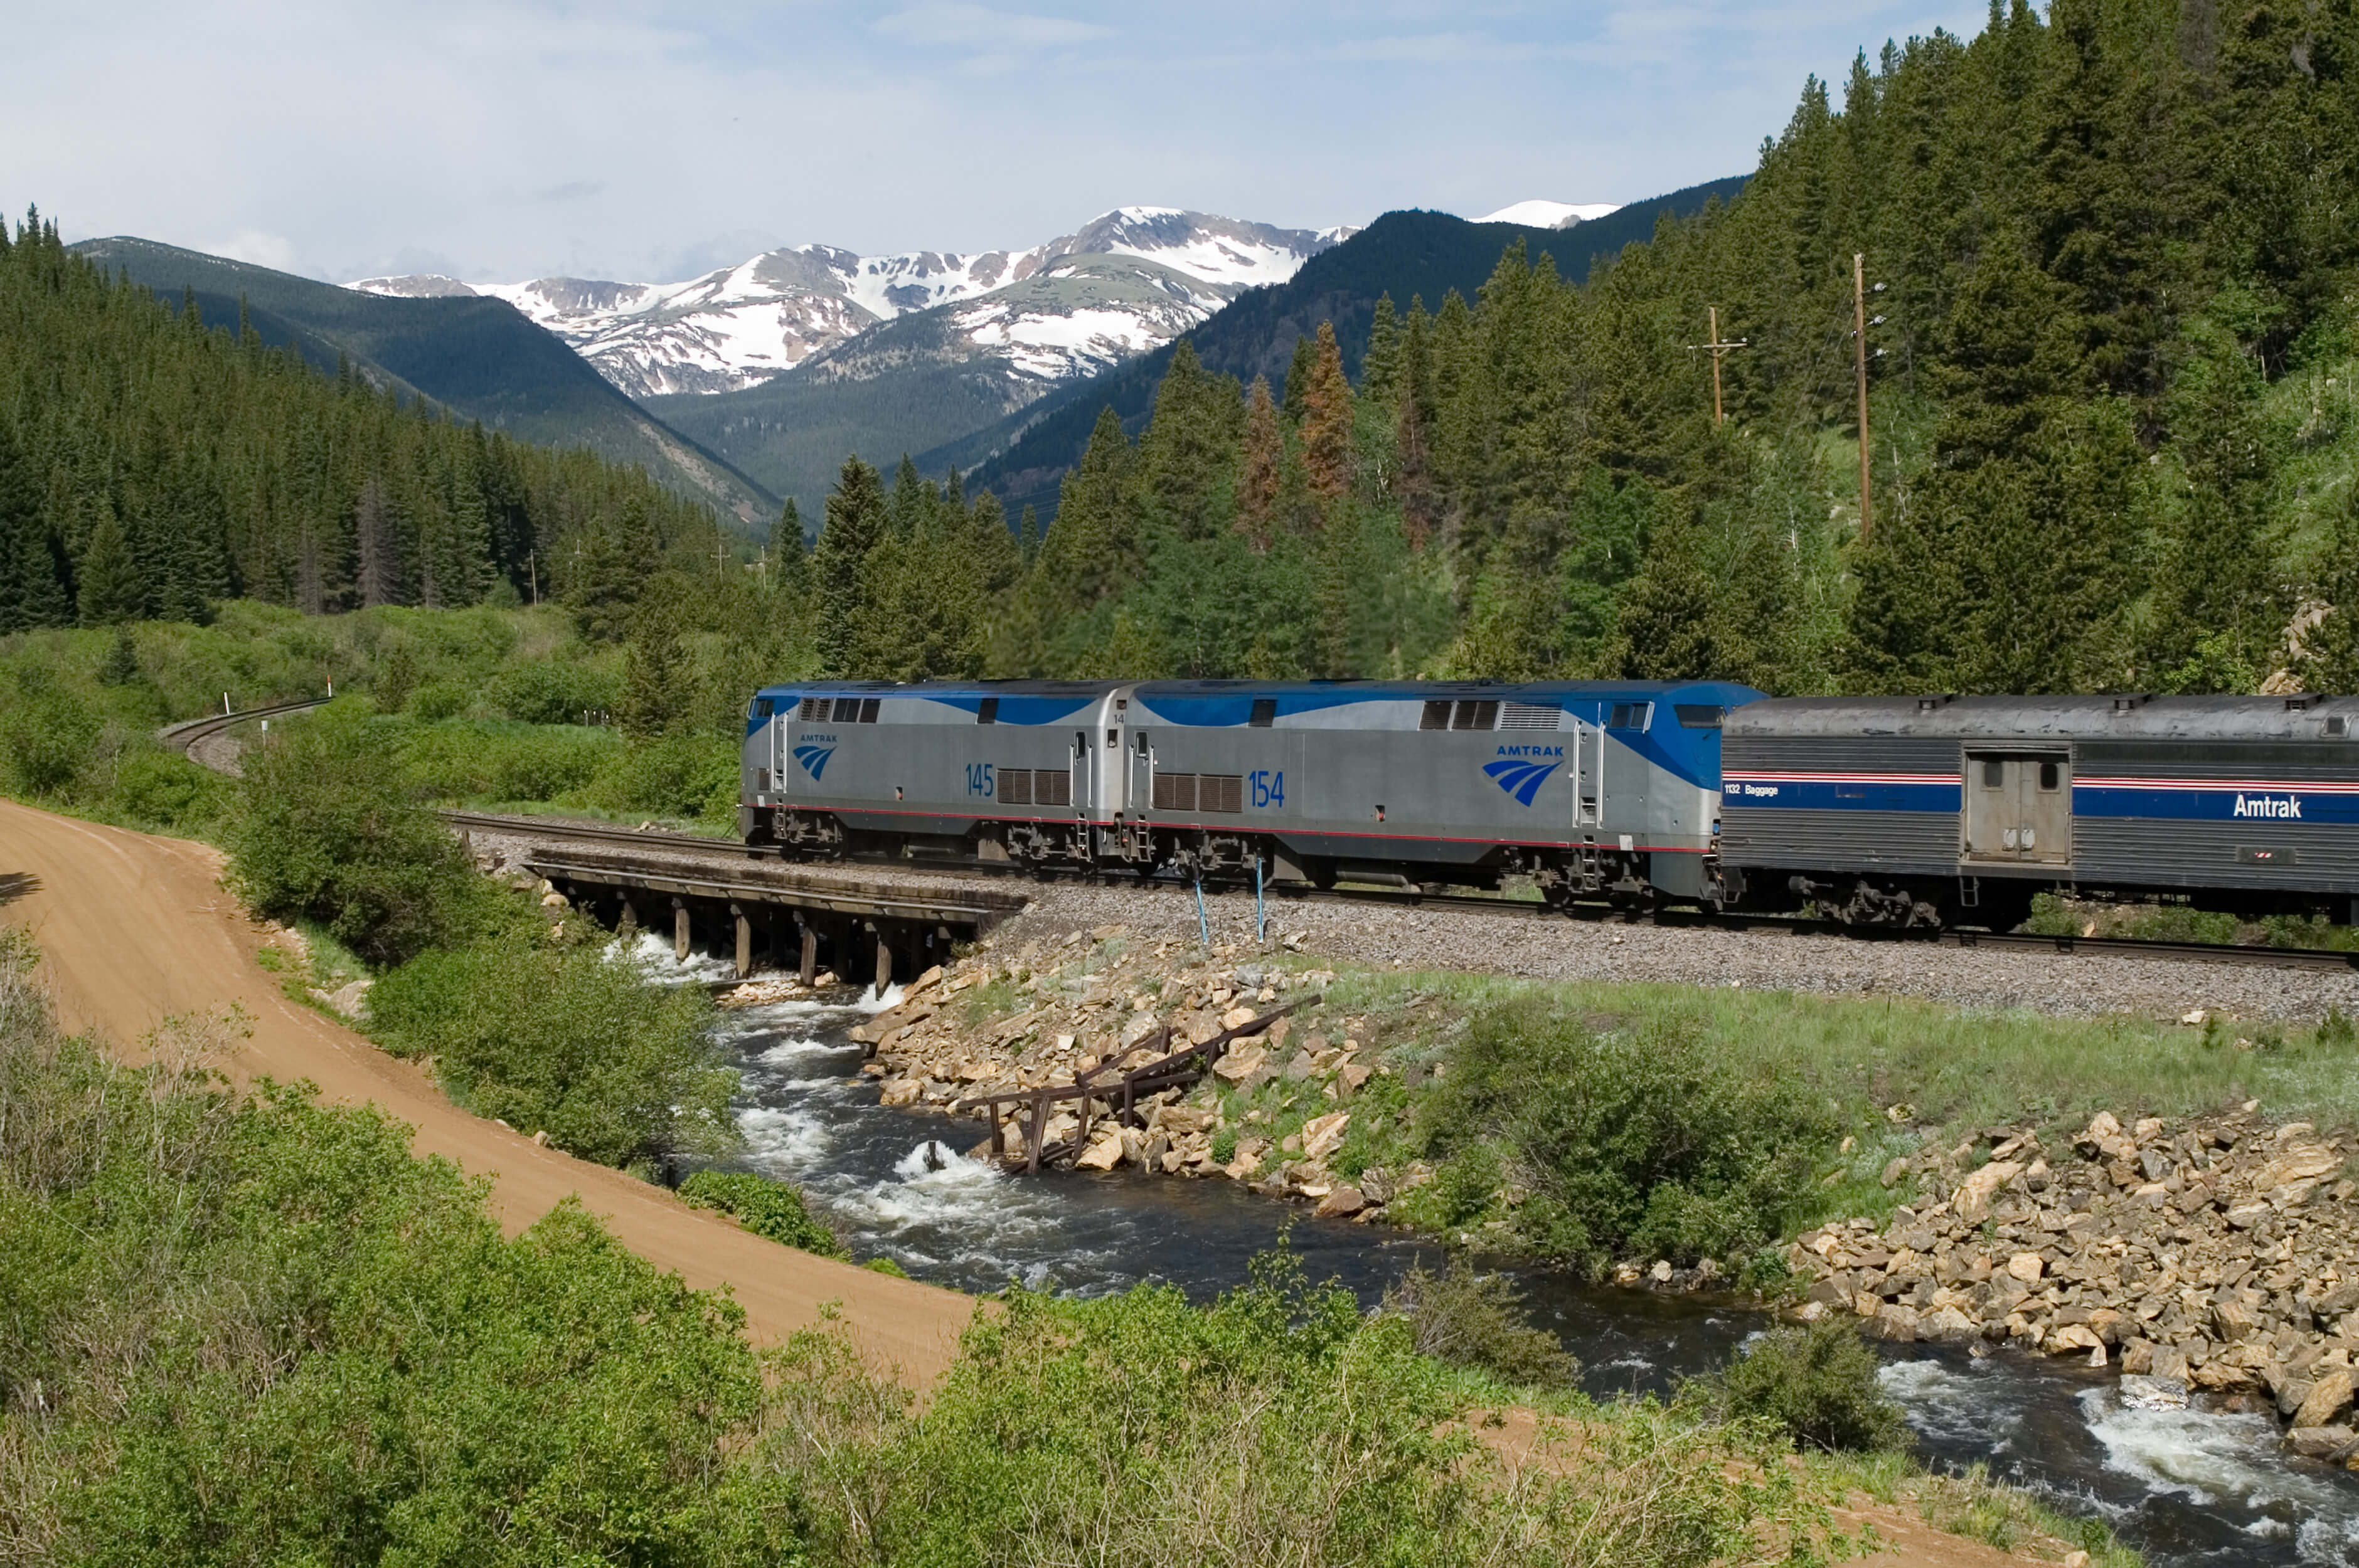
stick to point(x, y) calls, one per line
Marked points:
point(2112, 428)
point(1023, 456)
point(481, 359)
point(151, 461)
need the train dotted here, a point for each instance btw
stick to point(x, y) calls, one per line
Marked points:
point(1908, 812)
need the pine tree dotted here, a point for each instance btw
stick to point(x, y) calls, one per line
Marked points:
point(1328, 421)
point(121, 665)
point(1380, 366)
point(653, 671)
point(110, 590)
point(1298, 380)
point(1264, 452)
point(855, 521)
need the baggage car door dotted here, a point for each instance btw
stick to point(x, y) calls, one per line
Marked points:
point(2018, 807)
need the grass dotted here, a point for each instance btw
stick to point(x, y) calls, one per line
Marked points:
point(1970, 1504)
point(1895, 1065)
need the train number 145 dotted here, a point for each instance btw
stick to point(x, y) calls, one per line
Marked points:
point(1269, 790)
point(978, 779)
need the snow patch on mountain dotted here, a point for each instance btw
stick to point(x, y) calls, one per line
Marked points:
point(1550, 214)
point(738, 326)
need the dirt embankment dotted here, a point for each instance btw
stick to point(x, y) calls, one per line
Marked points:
point(134, 929)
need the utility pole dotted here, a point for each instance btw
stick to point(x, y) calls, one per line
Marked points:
point(1716, 348)
point(532, 572)
point(1859, 336)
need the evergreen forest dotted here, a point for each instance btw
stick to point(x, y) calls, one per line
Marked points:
point(2108, 261)
point(152, 464)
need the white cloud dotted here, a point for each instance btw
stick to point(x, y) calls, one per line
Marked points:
point(273, 251)
point(946, 24)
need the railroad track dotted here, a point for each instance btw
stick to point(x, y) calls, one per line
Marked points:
point(189, 732)
point(2309, 959)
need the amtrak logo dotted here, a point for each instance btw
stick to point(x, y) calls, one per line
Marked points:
point(814, 759)
point(1519, 778)
point(2280, 806)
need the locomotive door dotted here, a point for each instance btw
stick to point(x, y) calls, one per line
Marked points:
point(2019, 807)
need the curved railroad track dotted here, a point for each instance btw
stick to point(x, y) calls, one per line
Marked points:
point(190, 733)
point(2313, 958)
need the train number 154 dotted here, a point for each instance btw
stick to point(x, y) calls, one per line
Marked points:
point(978, 779)
point(1268, 789)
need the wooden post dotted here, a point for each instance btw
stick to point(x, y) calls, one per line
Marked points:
point(884, 963)
point(809, 970)
point(628, 926)
point(745, 942)
point(1859, 329)
point(679, 930)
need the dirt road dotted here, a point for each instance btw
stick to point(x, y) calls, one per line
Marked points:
point(134, 929)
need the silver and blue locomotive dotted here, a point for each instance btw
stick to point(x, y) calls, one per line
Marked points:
point(1594, 790)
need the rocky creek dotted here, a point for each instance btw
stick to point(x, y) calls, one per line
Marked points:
point(2193, 1475)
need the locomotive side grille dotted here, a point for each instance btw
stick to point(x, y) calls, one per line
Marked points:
point(1470, 715)
point(1052, 786)
point(1200, 792)
point(1015, 786)
point(1528, 716)
point(813, 711)
point(1435, 716)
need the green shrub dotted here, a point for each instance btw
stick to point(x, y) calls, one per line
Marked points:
point(163, 792)
point(881, 1264)
point(1650, 1143)
point(1815, 1382)
point(438, 699)
point(460, 762)
point(1473, 1319)
point(2336, 1029)
point(47, 733)
point(325, 828)
point(555, 692)
point(676, 775)
point(1277, 1426)
point(566, 1040)
point(765, 1206)
point(260, 1331)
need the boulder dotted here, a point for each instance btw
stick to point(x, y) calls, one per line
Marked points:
point(1237, 1065)
point(2329, 1444)
point(1321, 1134)
point(1972, 1202)
point(1897, 1324)
point(352, 1000)
point(2071, 1337)
point(1351, 1076)
point(2299, 1164)
point(2026, 1267)
point(2329, 1396)
point(1341, 1203)
point(1237, 1017)
point(1104, 1153)
point(1947, 1326)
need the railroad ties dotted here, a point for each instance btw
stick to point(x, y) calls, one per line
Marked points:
point(1107, 1081)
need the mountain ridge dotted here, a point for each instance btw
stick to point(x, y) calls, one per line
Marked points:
point(479, 358)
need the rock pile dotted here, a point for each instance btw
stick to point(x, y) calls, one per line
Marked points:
point(2222, 1253)
point(1055, 1007)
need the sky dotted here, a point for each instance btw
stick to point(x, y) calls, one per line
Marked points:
point(497, 140)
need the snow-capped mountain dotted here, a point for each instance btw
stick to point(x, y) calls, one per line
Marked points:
point(1549, 214)
point(1124, 283)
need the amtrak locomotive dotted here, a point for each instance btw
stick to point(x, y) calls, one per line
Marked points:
point(1892, 811)
point(1594, 790)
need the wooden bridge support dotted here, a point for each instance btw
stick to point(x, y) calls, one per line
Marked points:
point(744, 956)
point(627, 927)
point(810, 969)
point(679, 930)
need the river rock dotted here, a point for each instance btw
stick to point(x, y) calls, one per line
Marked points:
point(1897, 1324)
point(1341, 1203)
point(2328, 1397)
point(1104, 1153)
point(2333, 1444)
point(1321, 1134)
point(2026, 1267)
point(1947, 1326)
